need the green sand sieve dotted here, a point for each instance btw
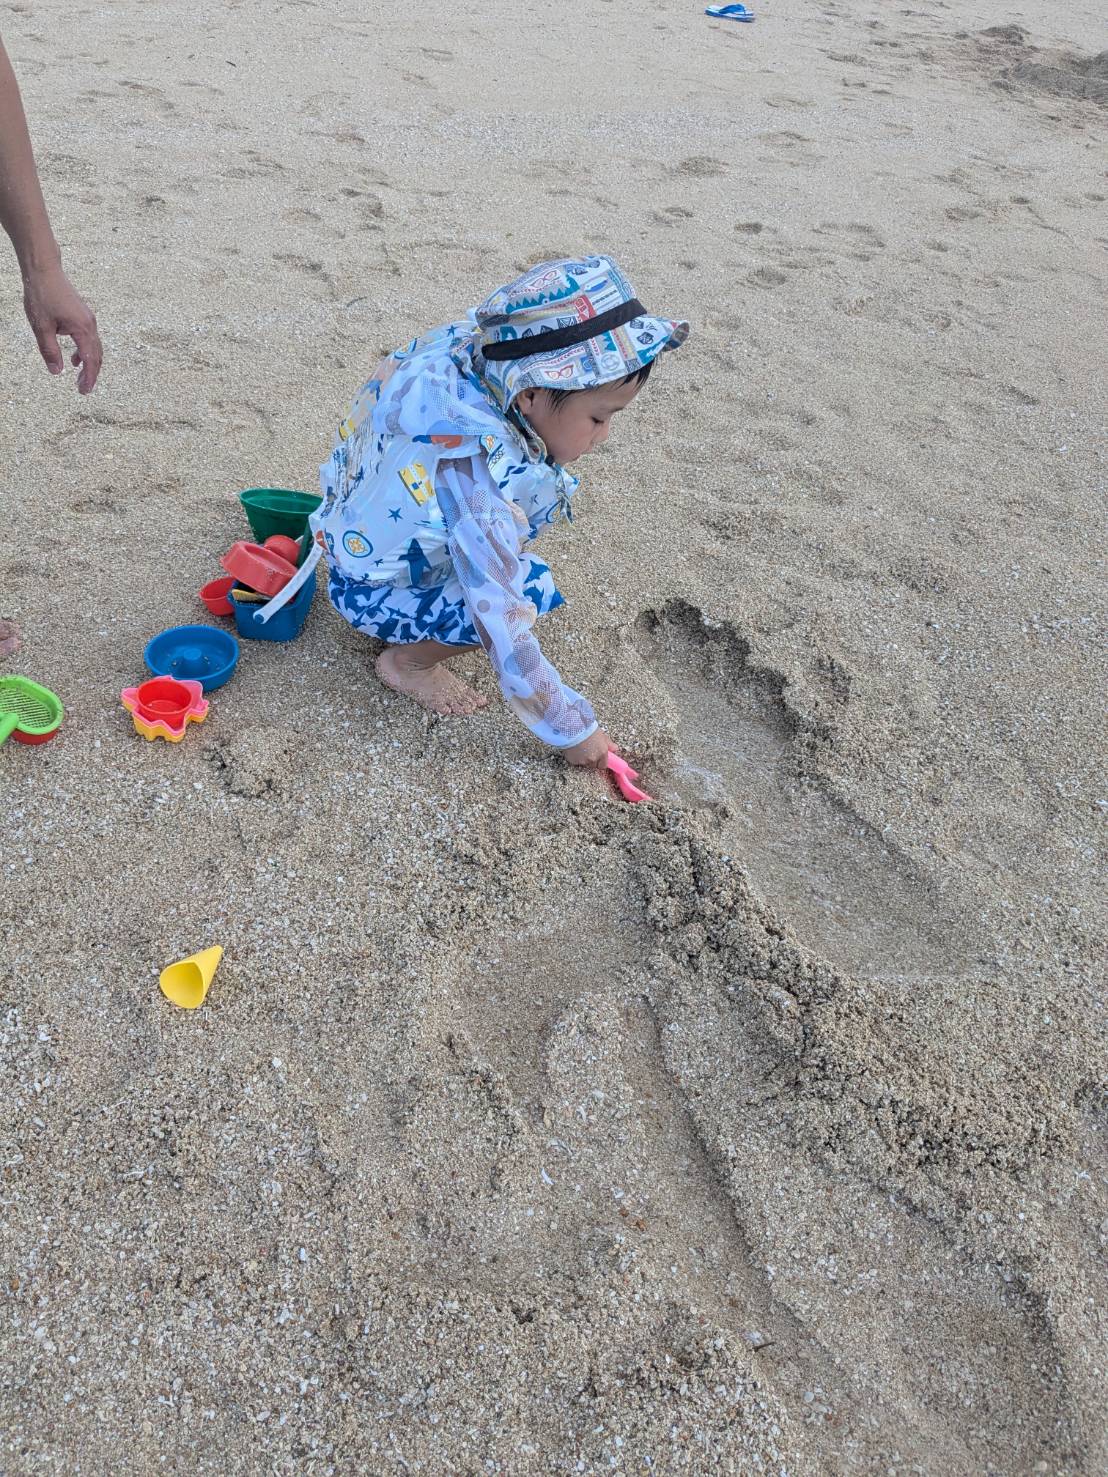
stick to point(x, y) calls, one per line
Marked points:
point(31, 712)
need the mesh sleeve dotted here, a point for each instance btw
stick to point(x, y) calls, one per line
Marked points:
point(486, 531)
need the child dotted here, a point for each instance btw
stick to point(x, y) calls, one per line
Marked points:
point(452, 460)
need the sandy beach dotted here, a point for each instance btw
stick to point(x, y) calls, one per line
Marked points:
point(759, 1130)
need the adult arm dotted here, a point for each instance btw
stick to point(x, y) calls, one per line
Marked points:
point(51, 303)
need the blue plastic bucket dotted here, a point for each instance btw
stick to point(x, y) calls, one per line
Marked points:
point(286, 625)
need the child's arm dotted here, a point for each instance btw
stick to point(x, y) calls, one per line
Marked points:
point(484, 546)
point(51, 304)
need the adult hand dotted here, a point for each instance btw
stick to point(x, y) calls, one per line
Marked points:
point(53, 307)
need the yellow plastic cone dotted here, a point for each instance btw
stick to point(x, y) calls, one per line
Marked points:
point(186, 982)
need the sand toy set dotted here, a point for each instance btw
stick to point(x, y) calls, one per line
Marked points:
point(267, 591)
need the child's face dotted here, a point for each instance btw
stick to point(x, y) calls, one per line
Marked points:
point(580, 423)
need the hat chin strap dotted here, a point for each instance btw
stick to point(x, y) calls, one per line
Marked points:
point(564, 338)
point(535, 443)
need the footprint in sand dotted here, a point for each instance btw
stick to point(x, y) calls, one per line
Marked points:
point(787, 101)
point(670, 215)
point(94, 505)
point(702, 166)
point(242, 415)
point(767, 277)
point(254, 166)
point(855, 231)
point(824, 871)
point(861, 241)
point(154, 95)
point(65, 168)
point(309, 266)
point(786, 146)
point(10, 640)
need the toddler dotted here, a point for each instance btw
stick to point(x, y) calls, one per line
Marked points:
point(451, 461)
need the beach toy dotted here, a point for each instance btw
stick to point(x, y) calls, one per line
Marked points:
point(164, 707)
point(257, 567)
point(203, 653)
point(729, 13)
point(214, 595)
point(284, 547)
point(305, 573)
point(273, 510)
point(284, 623)
point(624, 774)
point(30, 714)
point(186, 982)
point(240, 592)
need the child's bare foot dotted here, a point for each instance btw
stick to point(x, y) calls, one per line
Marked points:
point(432, 686)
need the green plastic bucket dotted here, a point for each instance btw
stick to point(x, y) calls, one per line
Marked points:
point(273, 510)
point(307, 544)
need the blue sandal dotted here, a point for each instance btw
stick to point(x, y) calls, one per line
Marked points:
point(729, 13)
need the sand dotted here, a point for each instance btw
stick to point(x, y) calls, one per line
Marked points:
point(523, 1130)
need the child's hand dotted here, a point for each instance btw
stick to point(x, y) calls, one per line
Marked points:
point(592, 752)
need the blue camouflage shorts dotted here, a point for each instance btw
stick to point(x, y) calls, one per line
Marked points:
point(405, 614)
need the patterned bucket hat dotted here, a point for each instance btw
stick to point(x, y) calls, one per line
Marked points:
point(568, 325)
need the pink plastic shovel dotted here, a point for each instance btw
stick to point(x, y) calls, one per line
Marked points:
point(624, 774)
